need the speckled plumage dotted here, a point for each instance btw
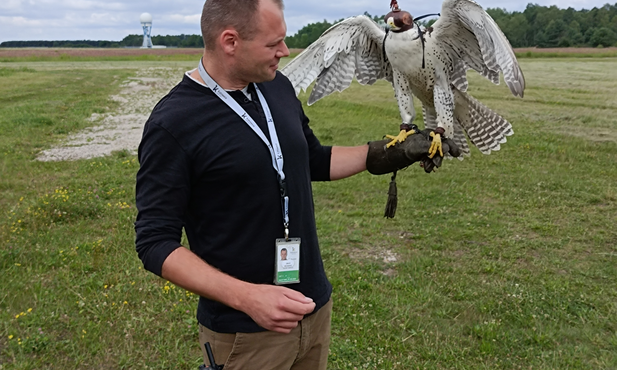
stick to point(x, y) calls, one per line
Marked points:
point(464, 37)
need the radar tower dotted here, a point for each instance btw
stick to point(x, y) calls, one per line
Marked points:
point(146, 24)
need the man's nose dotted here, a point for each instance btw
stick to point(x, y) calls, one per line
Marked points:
point(284, 51)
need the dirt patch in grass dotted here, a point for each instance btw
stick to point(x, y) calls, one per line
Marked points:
point(374, 253)
point(377, 254)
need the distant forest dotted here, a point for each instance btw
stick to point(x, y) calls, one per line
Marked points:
point(181, 41)
point(538, 26)
point(547, 27)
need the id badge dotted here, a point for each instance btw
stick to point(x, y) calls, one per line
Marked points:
point(287, 261)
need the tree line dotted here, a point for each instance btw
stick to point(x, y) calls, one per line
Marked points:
point(181, 41)
point(536, 26)
point(547, 27)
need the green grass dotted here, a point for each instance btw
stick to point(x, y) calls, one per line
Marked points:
point(502, 262)
point(64, 57)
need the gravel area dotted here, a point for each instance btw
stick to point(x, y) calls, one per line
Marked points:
point(122, 129)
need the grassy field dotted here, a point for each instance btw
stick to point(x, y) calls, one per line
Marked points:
point(504, 261)
point(17, 55)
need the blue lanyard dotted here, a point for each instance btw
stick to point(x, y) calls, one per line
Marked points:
point(275, 148)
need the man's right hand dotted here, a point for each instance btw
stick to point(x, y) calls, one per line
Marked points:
point(272, 307)
point(276, 308)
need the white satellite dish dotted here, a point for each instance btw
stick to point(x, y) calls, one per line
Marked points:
point(145, 18)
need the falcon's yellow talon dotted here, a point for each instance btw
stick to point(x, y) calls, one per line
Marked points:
point(399, 138)
point(435, 145)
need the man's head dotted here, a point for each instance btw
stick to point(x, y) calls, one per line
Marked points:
point(220, 14)
point(283, 254)
point(249, 33)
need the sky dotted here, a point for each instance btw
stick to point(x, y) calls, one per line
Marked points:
point(113, 19)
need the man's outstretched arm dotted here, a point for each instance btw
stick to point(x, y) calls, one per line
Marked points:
point(379, 159)
point(347, 161)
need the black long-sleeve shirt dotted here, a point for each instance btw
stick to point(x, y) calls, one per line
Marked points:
point(204, 169)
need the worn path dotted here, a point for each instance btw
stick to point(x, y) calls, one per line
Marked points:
point(122, 129)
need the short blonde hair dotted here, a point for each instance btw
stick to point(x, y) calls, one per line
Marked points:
point(217, 15)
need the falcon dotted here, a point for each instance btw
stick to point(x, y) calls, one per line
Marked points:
point(430, 63)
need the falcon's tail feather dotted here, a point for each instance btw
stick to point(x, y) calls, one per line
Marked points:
point(486, 129)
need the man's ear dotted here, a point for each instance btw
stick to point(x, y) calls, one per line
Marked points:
point(229, 41)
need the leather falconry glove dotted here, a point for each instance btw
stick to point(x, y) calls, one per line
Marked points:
point(381, 160)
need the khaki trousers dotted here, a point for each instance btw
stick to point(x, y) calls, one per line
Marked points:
point(306, 347)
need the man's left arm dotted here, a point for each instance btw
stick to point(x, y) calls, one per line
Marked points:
point(339, 162)
point(378, 159)
point(347, 161)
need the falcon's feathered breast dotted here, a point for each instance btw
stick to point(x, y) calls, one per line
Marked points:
point(430, 64)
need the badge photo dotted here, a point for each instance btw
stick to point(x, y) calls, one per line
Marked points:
point(287, 261)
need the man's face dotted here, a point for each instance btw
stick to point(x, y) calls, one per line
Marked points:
point(258, 58)
point(283, 255)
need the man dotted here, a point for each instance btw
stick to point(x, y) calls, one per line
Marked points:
point(284, 263)
point(229, 156)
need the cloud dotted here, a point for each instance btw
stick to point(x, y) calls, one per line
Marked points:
point(184, 19)
point(10, 5)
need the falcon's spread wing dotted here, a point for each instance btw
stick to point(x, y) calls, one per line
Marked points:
point(467, 31)
point(353, 47)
